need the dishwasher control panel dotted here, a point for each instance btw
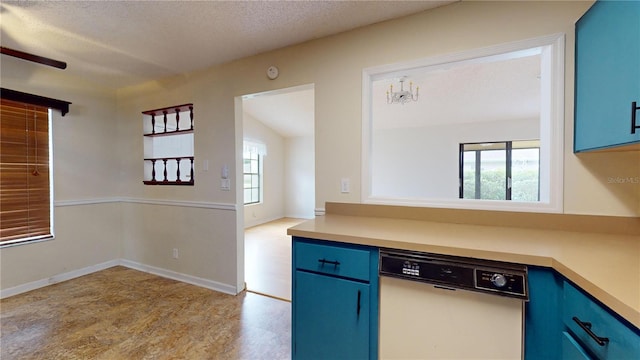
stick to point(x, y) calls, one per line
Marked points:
point(486, 276)
point(501, 281)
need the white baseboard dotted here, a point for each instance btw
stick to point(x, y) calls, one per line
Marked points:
point(194, 280)
point(190, 279)
point(5, 293)
point(300, 216)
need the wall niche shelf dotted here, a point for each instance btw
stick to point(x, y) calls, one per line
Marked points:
point(168, 145)
point(169, 133)
point(167, 120)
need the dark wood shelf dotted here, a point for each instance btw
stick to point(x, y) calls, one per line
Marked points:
point(162, 115)
point(169, 133)
point(177, 108)
point(171, 158)
point(149, 182)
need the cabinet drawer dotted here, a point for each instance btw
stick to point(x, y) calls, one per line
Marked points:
point(332, 260)
point(623, 342)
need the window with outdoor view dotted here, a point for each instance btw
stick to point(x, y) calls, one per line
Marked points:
point(253, 154)
point(251, 172)
point(508, 170)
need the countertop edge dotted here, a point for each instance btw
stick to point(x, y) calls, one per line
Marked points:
point(601, 224)
point(623, 310)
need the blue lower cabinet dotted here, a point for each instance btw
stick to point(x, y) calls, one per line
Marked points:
point(600, 332)
point(564, 322)
point(335, 301)
point(543, 315)
point(334, 322)
point(571, 350)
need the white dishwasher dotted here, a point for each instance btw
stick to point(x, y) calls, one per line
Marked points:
point(444, 307)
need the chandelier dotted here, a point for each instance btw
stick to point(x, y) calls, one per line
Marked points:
point(403, 96)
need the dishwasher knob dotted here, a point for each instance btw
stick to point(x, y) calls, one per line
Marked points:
point(498, 280)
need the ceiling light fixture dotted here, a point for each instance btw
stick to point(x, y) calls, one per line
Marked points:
point(403, 96)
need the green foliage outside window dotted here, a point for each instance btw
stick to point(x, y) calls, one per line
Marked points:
point(493, 179)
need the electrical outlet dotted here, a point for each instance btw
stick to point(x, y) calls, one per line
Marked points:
point(175, 253)
point(225, 184)
point(344, 186)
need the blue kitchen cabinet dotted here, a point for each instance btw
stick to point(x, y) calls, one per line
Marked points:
point(607, 76)
point(335, 300)
point(596, 330)
point(559, 318)
point(543, 315)
point(571, 349)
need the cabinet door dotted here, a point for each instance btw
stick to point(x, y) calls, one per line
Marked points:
point(543, 315)
point(571, 350)
point(607, 75)
point(587, 321)
point(331, 318)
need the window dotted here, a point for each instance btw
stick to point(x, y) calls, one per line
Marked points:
point(252, 156)
point(25, 176)
point(509, 92)
point(251, 172)
point(508, 170)
point(168, 145)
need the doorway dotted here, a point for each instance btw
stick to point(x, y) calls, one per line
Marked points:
point(278, 173)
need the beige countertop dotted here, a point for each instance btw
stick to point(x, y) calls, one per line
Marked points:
point(605, 265)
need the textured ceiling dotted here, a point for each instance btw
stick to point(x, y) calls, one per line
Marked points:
point(120, 43)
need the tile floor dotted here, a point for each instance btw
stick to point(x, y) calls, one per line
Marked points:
point(120, 313)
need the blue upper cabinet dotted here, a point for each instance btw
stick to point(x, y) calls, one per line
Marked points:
point(607, 76)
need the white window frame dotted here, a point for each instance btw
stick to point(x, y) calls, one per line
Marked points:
point(551, 127)
point(261, 150)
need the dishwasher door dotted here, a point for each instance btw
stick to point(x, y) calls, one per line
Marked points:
point(420, 321)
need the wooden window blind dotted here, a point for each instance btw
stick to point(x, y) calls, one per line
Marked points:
point(25, 201)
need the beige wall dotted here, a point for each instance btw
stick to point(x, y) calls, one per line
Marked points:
point(335, 64)
point(205, 223)
point(86, 236)
point(203, 237)
point(87, 221)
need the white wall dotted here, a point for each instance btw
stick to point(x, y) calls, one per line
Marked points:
point(289, 175)
point(273, 166)
point(299, 177)
point(422, 162)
